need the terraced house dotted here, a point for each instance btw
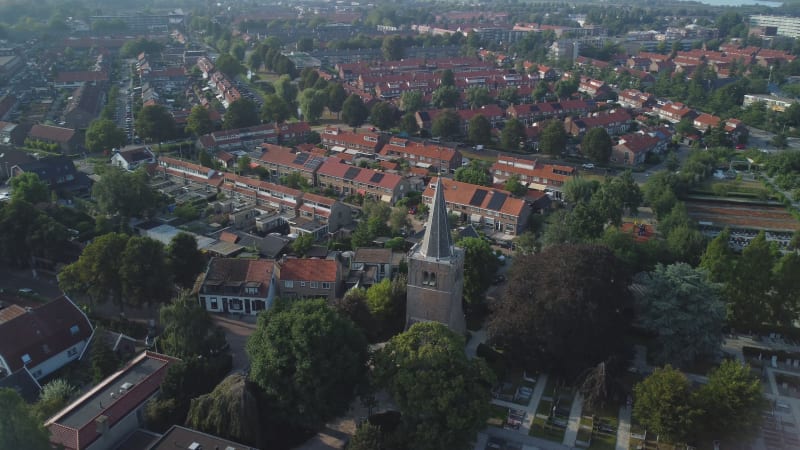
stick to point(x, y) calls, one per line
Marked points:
point(345, 179)
point(282, 161)
point(337, 140)
point(549, 178)
point(424, 155)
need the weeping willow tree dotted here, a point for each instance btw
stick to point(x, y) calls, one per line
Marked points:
point(230, 411)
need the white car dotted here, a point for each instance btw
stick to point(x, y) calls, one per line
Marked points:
point(588, 166)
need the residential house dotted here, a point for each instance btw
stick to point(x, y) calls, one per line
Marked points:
point(337, 140)
point(84, 106)
point(113, 409)
point(11, 134)
point(178, 437)
point(248, 138)
point(705, 122)
point(227, 160)
point(632, 149)
point(58, 172)
point(370, 266)
point(188, 173)
point(241, 286)
point(633, 98)
point(72, 80)
point(345, 179)
point(309, 278)
point(616, 121)
point(594, 88)
point(284, 161)
point(493, 210)
point(132, 158)
point(325, 210)
point(422, 154)
point(530, 113)
point(67, 139)
point(674, 112)
point(42, 339)
point(549, 178)
point(23, 383)
point(263, 193)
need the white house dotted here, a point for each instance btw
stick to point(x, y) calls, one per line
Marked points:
point(133, 158)
point(245, 286)
point(42, 339)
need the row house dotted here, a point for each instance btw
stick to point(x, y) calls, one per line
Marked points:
point(72, 80)
point(632, 149)
point(132, 158)
point(226, 92)
point(185, 172)
point(616, 121)
point(535, 112)
point(251, 137)
point(337, 140)
point(282, 198)
point(662, 66)
point(67, 139)
point(345, 179)
point(325, 210)
point(549, 178)
point(493, 113)
point(593, 88)
point(490, 209)
point(705, 122)
point(674, 112)
point(636, 99)
point(282, 161)
point(422, 154)
point(310, 278)
point(237, 285)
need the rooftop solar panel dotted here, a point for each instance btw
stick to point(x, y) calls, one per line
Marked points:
point(376, 178)
point(301, 158)
point(477, 197)
point(351, 173)
point(498, 198)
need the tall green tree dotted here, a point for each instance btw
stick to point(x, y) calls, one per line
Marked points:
point(189, 331)
point(512, 135)
point(732, 403)
point(312, 104)
point(294, 342)
point(447, 78)
point(478, 96)
point(275, 109)
point(336, 97)
point(240, 114)
point(411, 101)
point(145, 274)
point(199, 121)
point(718, 259)
point(445, 97)
point(752, 280)
point(393, 47)
point(97, 272)
point(663, 404)
point(514, 186)
point(232, 410)
point(408, 124)
point(479, 130)
point(597, 145)
point(480, 267)
point(103, 134)
point(154, 122)
point(29, 188)
point(19, 428)
point(354, 112)
point(104, 360)
point(387, 305)
point(447, 124)
point(287, 90)
point(443, 395)
point(29, 232)
point(553, 140)
point(125, 193)
point(382, 115)
point(229, 65)
point(684, 309)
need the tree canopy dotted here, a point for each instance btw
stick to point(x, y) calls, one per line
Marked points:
point(476, 172)
point(354, 112)
point(447, 124)
point(597, 145)
point(565, 309)
point(308, 360)
point(443, 395)
point(480, 267)
point(382, 115)
point(28, 232)
point(479, 130)
point(232, 410)
point(186, 261)
point(553, 139)
point(663, 404)
point(199, 121)
point(29, 188)
point(19, 428)
point(125, 193)
point(103, 134)
point(154, 122)
point(512, 135)
point(240, 114)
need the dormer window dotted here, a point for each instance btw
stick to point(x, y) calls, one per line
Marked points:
point(73, 330)
point(26, 358)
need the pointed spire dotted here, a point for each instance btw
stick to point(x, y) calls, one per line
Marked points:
point(437, 242)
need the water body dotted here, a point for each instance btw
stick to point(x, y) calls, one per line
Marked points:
point(738, 2)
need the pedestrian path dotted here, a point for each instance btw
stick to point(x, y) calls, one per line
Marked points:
point(574, 421)
point(624, 428)
point(538, 391)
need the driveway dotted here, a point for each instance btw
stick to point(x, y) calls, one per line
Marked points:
point(237, 332)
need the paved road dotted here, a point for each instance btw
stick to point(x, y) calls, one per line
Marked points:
point(237, 332)
point(44, 285)
point(624, 428)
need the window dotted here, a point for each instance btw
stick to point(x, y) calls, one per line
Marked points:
point(288, 284)
point(26, 358)
point(214, 303)
point(72, 352)
point(428, 278)
point(73, 330)
point(302, 284)
point(236, 304)
point(314, 284)
point(326, 285)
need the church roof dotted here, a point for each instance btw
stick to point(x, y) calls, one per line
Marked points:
point(437, 242)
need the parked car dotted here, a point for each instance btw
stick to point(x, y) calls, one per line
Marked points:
point(588, 166)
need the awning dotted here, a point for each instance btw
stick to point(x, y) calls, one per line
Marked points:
point(423, 165)
point(386, 198)
point(475, 218)
point(337, 148)
point(537, 186)
point(351, 152)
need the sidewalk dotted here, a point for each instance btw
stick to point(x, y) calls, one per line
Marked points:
point(624, 428)
point(574, 421)
point(538, 391)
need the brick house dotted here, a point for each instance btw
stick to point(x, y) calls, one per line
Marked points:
point(67, 139)
point(674, 112)
point(549, 178)
point(133, 158)
point(282, 161)
point(425, 155)
point(632, 149)
point(616, 121)
point(337, 140)
point(345, 179)
point(243, 286)
point(633, 98)
point(309, 278)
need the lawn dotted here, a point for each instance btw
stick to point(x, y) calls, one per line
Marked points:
point(607, 415)
point(497, 415)
point(541, 429)
point(479, 156)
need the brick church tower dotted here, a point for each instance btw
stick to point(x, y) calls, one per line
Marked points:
point(436, 273)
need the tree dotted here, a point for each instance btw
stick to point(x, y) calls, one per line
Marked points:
point(185, 260)
point(732, 402)
point(387, 305)
point(232, 411)
point(447, 78)
point(229, 65)
point(785, 299)
point(275, 109)
point(475, 173)
point(144, 271)
point(103, 134)
point(353, 305)
point(154, 122)
point(479, 130)
point(514, 186)
point(382, 115)
point(54, 397)
point(580, 190)
point(751, 281)
point(305, 44)
point(683, 308)
point(399, 221)
point(447, 124)
point(303, 244)
point(565, 309)
point(512, 135)
point(96, 272)
point(125, 193)
point(189, 331)
point(662, 404)
point(392, 47)
point(336, 97)
point(597, 145)
point(367, 437)
point(240, 114)
point(480, 266)
point(286, 90)
point(28, 232)
point(199, 121)
point(312, 104)
point(718, 258)
point(478, 96)
point(411, 101)
point(779, 141)
point(255, 61)
point(104, 360)
point(297, 341)
point(19, 428)
point(408, 123)
point(29, 188)
point(553, 140)
point(445, 97)
point(443, 395)
point(354, 112)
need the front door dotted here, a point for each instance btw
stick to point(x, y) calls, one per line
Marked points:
point(247, 306)
point(225, 305)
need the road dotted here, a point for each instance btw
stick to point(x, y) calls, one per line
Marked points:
point(237, 332)
point(761, 139)
point(44, 285)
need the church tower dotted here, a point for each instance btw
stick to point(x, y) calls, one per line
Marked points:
point(436, 272)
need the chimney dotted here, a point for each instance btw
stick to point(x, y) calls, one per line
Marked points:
point(101, 423)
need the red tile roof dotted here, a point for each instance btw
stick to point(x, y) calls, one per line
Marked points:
point(460, 193)
point(51, 133)
point(308, 269)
